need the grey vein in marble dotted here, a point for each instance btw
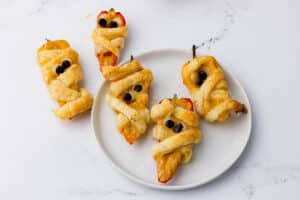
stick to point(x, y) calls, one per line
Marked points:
point(229, 19)
point(249, 191)
point(80, 191)
point(41, 6)
point(271, 174)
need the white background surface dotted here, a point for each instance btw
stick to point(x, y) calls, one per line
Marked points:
point(43, 158)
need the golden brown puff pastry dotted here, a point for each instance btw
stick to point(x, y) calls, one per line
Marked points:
point(176, 129)
point(109, 37)
point(128, 97)
point(61, 72)
point(205, 80)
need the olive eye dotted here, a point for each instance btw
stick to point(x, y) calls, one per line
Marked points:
point(113, 24)
point(169, 123)
point(102, 22)
point(201, 76)
point(59, 70)
point(178, 128)
point(138, 88)
point(66, 63)
point(127, 97)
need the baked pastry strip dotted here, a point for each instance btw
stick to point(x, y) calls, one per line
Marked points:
point(205, 80)
point(128, 97)
point(61, 72)
point(109, 37)
point(177, 130)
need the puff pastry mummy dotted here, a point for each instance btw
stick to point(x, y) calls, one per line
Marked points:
point(205, 80)
point(61, 72)
point(177, 130)
point(128, 97)
point(109, 37)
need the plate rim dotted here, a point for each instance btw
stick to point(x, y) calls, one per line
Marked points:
point(159, 186)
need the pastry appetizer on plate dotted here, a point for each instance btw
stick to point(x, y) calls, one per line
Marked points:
point(109, 37)
point(128, 97)
point(205, 80)
point(176, 130)
point(61, 72)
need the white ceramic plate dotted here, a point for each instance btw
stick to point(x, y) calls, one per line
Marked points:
point(221, 146)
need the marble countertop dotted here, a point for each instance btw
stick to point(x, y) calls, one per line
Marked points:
point(43, 158)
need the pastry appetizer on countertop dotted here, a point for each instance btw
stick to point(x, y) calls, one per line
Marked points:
point(61, 72)
point(205, 80)
point(128, 97)
point(109, 37)
point(176, 130)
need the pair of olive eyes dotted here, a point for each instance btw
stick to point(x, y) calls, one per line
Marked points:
point(102, 22)
point(127, 96)
point(61, 68)
point(171, 124)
